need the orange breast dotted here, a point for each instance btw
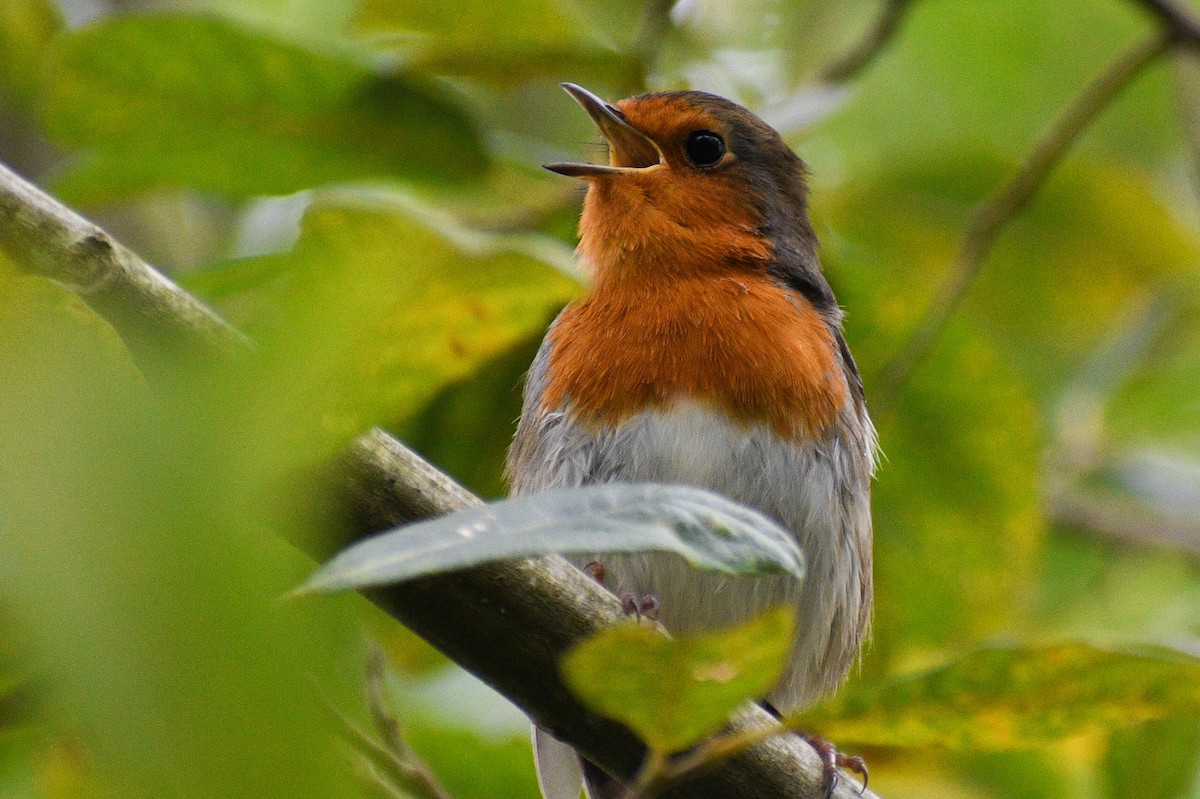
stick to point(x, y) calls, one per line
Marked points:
point(736, 342)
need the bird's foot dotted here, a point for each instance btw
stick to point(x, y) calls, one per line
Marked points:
point(634, 605)
point(595, 570)
point(832, 759)
point(641, 607)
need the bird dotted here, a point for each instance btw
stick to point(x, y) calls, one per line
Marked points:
point(708, 351)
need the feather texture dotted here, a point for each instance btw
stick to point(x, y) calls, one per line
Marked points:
point(709, 352)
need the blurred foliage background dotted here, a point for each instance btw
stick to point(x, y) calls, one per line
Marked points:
point(355, 183)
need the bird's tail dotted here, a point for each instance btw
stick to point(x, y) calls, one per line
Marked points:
point(562, 773)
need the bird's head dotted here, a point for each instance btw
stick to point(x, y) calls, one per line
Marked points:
point(694, 182)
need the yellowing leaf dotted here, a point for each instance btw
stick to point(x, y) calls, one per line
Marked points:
point(957, 516)
point(675, 691)
point(956, 502)
point(1158, 758)
point(1094, 239)
point(379, 307)
point(1012, 697)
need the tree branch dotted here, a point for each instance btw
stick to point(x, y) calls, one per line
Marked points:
point(1187, 86)
point(42, 236)
point(1115, 519)
point(1001, 207)
point(1183, 27)
point(507, 623)
point(876, 40)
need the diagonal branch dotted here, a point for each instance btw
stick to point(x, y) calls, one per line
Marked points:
point(44, 237)
point(863, 52)
point(1003, 205)
point(1182, 25)
point(1117, 519)
point(507, 623)
point(1187, 89)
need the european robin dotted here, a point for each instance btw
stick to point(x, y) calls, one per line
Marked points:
point(708, 351)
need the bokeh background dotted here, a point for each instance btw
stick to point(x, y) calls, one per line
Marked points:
point(356, 184)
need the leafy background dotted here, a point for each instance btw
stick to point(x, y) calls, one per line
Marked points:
point(355, 183)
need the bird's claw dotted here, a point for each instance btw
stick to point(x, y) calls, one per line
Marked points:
point(595, 570)
point(858, 766)
point(832, 759)
point(634, 605)
point(641, 607)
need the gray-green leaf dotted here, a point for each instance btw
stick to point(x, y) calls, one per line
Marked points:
point(709, 532)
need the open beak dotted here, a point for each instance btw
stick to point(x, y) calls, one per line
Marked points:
point(628, 148)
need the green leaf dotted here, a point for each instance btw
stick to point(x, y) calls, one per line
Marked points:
point(1095, 589)
point(45, 330)
point(467, 428)
point(675, 691)
point(1158, 407)
point(14, 703)
point(473, 765)
point(1095, 238)
point(709, 532)
point(382, 304)
point(113, 523)
point(504, 42)
point(1158, 758)
point(166, 100)
point(26, 29)
point(21, 754)
point(319, 18)
point(957, 500)
point(1000, 697)
point(1013, 773)
point(977, 66)
point(958, 519)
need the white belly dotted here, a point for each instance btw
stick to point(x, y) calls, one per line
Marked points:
point(801, 486)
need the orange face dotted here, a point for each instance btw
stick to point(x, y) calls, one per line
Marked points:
point(691, 183)
point(680, 132)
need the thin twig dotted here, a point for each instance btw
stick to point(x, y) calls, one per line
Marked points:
point(1002, 206)
point(1183, 26)
point(387, 724)
point(372, 751)
point(399, 763)
point(718, 748)
point(649, 777)
point(372, 780)
point(1114, 518)
point(646, 46)
point(846, 66)
point(420, 775)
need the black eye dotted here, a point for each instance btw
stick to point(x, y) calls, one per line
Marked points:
point(704, 148)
